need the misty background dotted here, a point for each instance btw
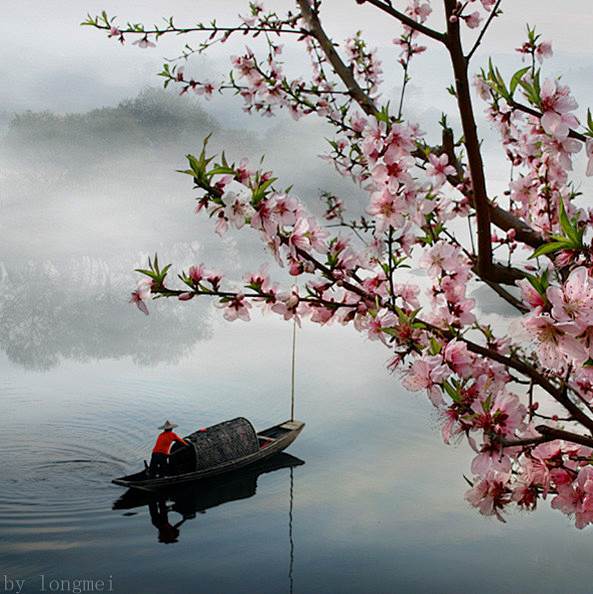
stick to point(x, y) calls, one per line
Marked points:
point(90, 145)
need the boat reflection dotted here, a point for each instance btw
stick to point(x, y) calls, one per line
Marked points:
point(203, 495)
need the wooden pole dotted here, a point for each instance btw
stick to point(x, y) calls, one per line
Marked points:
point(294, 325)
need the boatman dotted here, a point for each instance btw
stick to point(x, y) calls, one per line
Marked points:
point(159, 460)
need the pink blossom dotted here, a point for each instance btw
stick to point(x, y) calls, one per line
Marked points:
point(488, 4)
point(574, 301)
point(554, 341)
point(490, 495)
point(238, 209)
point(115, 32)
point(543, 50)
point(418, 10)
point(207, 89)
point(439, 169)
point(577, 498)
point(144, 42)
point(288, 305)
point(482, 88)
point(441, 257)
point(388, 209)
point(377, 323)
point(530, 295)
point(556, 103)
point(489, 461)
point(425, 373)
point(141, 294)
point(589, 152)
point(222, 224)
point(473, 20)
point(400, 140)
point(373, 138)
point(197, 273)
point(358, 122)
point(451, 427)
point(235, 308)
point(409, 293)
point(306, 234)
point(259, 280)
point(561, 148)
point(458, 357)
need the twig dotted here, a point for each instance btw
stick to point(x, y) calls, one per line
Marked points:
point(406, 20)
point(493, 14)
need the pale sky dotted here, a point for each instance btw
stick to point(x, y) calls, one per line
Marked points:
point(50, 62)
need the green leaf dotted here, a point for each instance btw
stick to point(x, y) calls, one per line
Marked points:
point(220, 170)
point(517, 78)
point(383, 115)
point(532, 92)
point(565, 222)
point(146, 272)
point(453, 392)
point(589, 123)
point(553, 246)
point(496, 81)
point(540, 283)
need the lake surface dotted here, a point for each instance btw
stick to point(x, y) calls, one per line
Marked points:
point(372, 501)
point(377, 505)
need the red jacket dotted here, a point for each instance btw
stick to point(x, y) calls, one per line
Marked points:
point(164, 441)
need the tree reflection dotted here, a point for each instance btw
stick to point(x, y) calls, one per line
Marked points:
point(78, 309)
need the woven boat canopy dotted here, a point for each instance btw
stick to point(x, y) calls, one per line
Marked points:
point(223, 442)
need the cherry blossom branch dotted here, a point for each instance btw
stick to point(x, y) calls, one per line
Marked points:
point(527, 441)
point(481, 383)
point(511, 362)
point(538, 114)
point(345, 73)
point(508, 297)
point(503, 219)
point(514, 363)
point(278, 26)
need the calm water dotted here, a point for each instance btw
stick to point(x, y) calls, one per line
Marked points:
point(372, 500)
point(377, 505)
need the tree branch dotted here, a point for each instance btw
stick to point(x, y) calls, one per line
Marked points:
point(557, 394)
point(505, 220)
point(517, 303)
point(552, 433)
point(345, 73)
point(511, 443)
point(538, 114)
point(406, 20)
point(471, 141)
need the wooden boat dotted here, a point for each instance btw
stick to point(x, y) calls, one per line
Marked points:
point(216, 450)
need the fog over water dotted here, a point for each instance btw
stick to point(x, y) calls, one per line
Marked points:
point(87, 198)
